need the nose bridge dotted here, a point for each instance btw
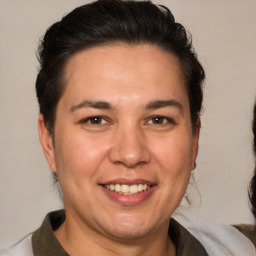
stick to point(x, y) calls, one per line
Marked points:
point(129, 147)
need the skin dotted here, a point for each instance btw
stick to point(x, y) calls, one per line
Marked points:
point(142, 133)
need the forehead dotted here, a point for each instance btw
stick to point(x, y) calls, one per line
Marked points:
point(123, 69)
point(124, 54)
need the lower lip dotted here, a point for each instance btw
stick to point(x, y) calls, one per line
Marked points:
point(134, 199)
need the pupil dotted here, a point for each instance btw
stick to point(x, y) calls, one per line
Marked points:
point(158, 120)
point(96, 120)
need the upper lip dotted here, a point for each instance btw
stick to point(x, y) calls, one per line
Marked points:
point(129, 182)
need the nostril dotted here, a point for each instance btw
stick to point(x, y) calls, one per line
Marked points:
point(129, 148)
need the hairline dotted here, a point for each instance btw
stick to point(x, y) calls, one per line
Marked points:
point(117, 42)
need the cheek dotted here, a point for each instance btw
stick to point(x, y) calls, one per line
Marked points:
point(174, 153)
point(78, 155)
point(174, 156)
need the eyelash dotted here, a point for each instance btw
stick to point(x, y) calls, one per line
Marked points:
point(154, 119)
point(165, 120)
point(91, 118)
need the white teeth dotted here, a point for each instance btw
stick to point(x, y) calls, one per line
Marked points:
point(140, 187)
point(117, 188)
point(126, 189)
point(133, 189)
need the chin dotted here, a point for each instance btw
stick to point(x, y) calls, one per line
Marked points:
point(129, 230)
point(129, 234)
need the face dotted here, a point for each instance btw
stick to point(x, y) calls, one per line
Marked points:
point(124, 146)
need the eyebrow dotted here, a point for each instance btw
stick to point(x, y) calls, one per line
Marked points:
point(106, 105)
point(164, 103)
point(92, 104)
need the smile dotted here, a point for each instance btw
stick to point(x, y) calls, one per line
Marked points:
point(127, 189)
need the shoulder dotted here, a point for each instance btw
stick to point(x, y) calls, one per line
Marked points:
point(248, 230)
point(42, 241)
point(21, 248)
point(220, 239)
point(216, 238)
point(186, 244)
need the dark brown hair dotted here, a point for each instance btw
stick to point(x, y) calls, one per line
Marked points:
point(107, 21)
point(252, 191)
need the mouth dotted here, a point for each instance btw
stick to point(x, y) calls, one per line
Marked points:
point(129, 192)
point(125, 189)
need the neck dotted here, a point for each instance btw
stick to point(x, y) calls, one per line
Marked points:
point(76, 238)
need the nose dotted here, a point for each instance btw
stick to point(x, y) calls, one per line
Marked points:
point(129, 148)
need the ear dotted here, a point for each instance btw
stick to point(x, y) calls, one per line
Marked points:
point(46, 141)
point(195, 143)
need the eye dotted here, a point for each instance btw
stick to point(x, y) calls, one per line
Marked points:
point(95, 120)
point(160, 120)
point(157, 120)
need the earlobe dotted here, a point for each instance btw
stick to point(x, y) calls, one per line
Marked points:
point(195, 146)
point(46, 142)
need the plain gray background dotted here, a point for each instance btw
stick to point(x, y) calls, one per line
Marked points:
point(224, 35)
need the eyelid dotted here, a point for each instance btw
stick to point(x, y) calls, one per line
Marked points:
point(106, 120)
point(87, 119)
point(168, 119)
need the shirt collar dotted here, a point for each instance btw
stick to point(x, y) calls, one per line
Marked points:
point(44, 241)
